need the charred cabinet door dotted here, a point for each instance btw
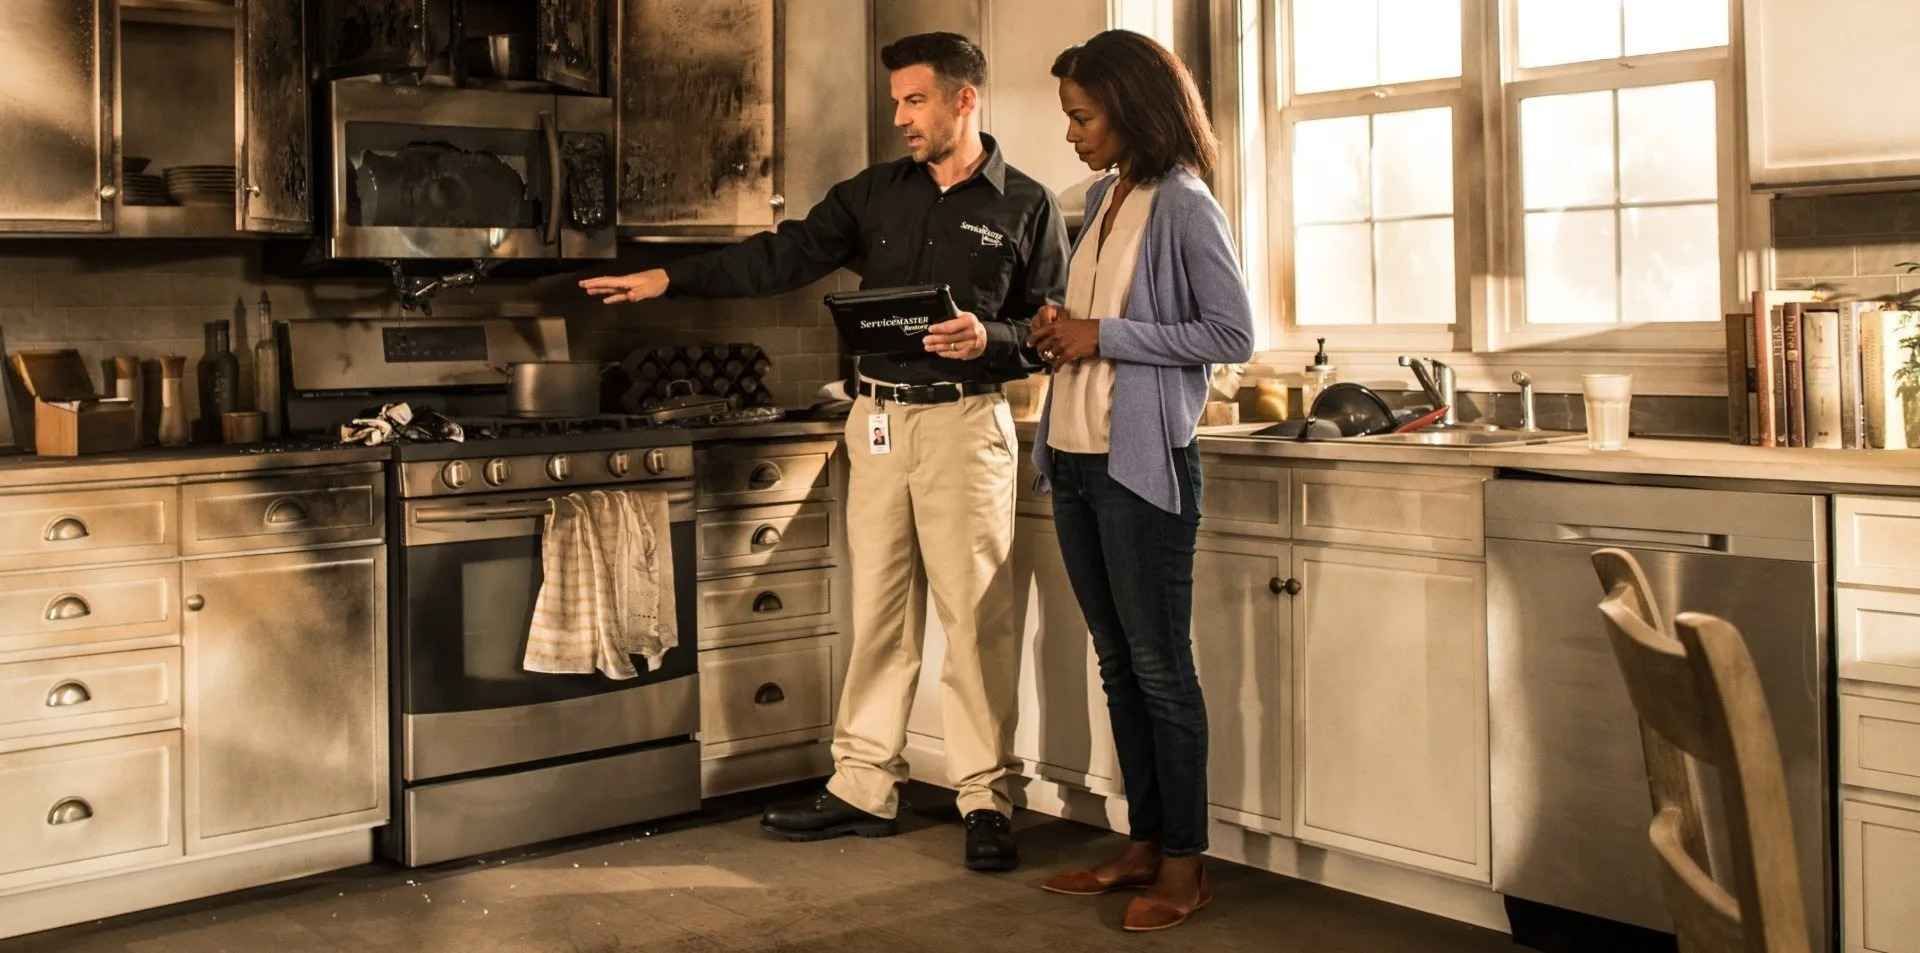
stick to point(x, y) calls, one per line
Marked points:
point(573, 44)
point(695, 91)
point(374, 36)
point(276, 167)
point(56, 117)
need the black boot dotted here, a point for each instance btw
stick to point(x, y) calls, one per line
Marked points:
point(822, 817)
point(990, 844)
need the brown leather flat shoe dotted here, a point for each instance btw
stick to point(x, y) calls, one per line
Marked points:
point(1146, 914)
point(1086, 883)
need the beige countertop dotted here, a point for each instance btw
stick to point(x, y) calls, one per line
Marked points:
point(1697, 459)
point(26, 469)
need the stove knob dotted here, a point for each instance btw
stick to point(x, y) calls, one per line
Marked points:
point(619, 463)
point(456, 474)
point(498, 471)
point(656, 462)
point(559, 468)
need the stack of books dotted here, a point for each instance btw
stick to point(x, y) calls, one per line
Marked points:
point(1807, 373)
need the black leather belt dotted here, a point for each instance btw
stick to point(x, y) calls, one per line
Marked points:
point(940, 392)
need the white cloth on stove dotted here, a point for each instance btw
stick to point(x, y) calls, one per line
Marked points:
point(606, 595)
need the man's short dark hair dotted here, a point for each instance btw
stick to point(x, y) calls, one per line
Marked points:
point(954, 58)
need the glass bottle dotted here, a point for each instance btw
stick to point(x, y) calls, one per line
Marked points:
point(219, 380)
point(266, 372)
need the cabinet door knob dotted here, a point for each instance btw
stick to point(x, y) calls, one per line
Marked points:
point(65, 529)
point(768, 602)
point(109, 191)
point(769, 694)
point(765, 476)
point(71, 810)
point(196, 603)
point(778, 202)
point(68, 694)
point(285, 511)
point(766, 536)
point(1290, 586)
point(68, 607)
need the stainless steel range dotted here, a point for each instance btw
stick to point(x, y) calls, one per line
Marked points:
point(487, 755)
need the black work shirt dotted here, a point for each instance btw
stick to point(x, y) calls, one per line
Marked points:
point(996, 238)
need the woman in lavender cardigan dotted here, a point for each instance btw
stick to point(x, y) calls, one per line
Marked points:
point(1154, 296)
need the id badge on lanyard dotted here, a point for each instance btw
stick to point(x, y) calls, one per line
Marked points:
point(879, 434)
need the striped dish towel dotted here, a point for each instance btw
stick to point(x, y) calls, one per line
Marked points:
point(607, 590)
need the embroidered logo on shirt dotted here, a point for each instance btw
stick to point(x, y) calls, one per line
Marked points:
point(988, 237)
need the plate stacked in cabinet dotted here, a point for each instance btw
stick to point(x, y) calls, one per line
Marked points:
point(1877, 605)
point(773, 586)
point(190, 669)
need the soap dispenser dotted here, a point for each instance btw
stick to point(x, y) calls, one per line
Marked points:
point(1319, 375)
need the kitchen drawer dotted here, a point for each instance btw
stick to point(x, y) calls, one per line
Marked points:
point(1879, 878)
point(1249, 499)
point(89, 692)
point(1879, 635)
point(1880, 744)
point(754, 607)
point(768, 536)
point(1422, 512)
point(1877, 541)
point(78, 810)
point(41, 530)
point(282, 511)
point(757, 691)
point(52, 613)
point(749, 474)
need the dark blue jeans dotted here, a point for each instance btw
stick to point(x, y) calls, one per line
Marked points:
point(1131, 565)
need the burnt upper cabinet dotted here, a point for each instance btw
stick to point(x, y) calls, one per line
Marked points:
point(694, 98)
point(363, 37)
point(276, 149)
point(56, 117)
point(572, 44)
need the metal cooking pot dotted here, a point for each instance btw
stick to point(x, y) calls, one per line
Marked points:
point(553, 388)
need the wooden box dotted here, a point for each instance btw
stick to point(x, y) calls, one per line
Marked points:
point(69, 428)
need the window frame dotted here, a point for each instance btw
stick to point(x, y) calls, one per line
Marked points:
point(1488, 335)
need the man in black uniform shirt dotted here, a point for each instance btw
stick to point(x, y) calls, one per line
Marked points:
point(931, 438)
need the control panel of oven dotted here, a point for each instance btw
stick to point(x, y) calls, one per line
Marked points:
point(581, 468)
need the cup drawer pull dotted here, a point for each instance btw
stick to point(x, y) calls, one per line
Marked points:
point(768, 602)
point(71, 810)
point(767, 536)
point(769, 694)
point(285, 512)
point(66, 529)
point(765, 476)
point(68, 694)
point(68, 607)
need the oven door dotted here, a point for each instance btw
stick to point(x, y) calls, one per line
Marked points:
point(428, 172)
point(470, 572)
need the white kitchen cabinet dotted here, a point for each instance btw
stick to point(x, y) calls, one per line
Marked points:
point(1827, 101)
point(1390, 708)
point(1064, 732)
point(1242, 648)
point(57, 107)
point(1880, 877)
point(286, 695)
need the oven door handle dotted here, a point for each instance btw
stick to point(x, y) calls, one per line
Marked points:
point(556, 177)
point(679, 501)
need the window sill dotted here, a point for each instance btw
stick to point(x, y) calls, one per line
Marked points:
point(1664, 373)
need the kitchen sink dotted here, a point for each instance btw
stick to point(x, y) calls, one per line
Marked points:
point(1471, 438)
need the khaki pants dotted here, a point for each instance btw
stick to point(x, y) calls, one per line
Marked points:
point(942, 501)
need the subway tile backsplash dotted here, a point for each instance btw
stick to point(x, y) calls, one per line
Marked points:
point(1849, 245)
point(108, 297)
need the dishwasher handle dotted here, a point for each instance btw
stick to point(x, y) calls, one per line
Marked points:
point(1638, 536)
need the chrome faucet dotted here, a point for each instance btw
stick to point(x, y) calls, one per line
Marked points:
point(1437, 380)
point(1527, 420)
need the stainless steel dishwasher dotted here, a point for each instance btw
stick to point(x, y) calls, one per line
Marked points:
point(1570, 800)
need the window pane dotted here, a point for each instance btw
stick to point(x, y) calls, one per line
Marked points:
point(1659, 26)
point(1335, 45)
point(1330, 170)
point(1668, 143)
point(1413, 163)
point(1415, 271)
point(1333, 274)
point(1670, 263)
point(1567, 31)
point(1419, 39)
point(1566, 149)
point(1570, 268)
